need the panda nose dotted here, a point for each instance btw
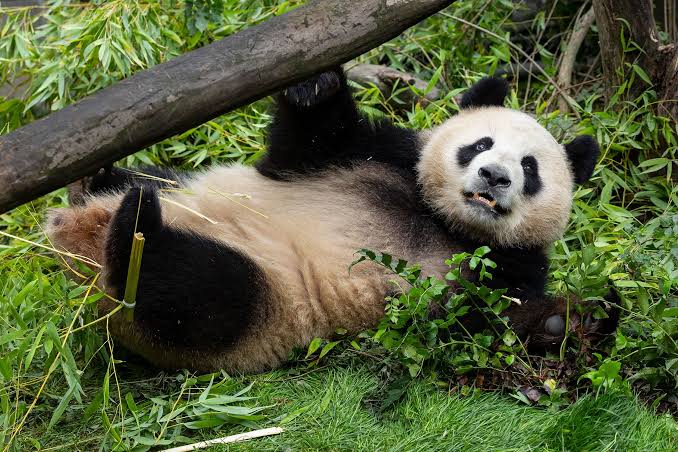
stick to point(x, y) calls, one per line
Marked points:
point(495, 175)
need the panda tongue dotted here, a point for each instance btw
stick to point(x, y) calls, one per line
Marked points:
point(489, 202)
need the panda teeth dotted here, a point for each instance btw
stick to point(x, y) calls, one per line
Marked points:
point(485, 199)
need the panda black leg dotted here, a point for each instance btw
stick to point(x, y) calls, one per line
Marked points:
point(139, 211)
point(194, 294)
point(317, 125)
point(111, 178)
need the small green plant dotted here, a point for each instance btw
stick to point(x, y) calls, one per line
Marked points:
point(200, 403)
point(423, 322)
point(606, 376)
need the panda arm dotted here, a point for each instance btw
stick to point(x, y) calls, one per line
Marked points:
point(317, 125)
point(111, 178)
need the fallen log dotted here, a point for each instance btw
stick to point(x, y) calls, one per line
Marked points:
point(175, 96)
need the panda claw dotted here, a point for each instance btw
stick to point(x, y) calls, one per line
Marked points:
point(315, 90)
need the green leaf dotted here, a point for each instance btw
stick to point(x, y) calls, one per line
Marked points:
point(313, 346)
point(434, 79)
point(5, 368)
point(206, 422)
point(482, 251)
point(327, 348)
point(642, 74)
point(61, 407)
point(294, 414)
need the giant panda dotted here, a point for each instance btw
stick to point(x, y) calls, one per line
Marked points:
point(241, 264)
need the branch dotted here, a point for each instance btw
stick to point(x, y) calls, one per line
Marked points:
point(386, 78)
point(175, 96)
point(579, 32)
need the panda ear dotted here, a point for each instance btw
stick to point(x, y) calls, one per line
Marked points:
point(489, 91)
point(582, 153)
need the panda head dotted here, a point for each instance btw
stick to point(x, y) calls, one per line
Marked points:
point(497, 176)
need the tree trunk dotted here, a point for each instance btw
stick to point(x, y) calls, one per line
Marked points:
point(187, 91)
point(659, 62)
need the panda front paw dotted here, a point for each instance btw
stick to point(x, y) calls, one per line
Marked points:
point(106, 179)
point(315, 90)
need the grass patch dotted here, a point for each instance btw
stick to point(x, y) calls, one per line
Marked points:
point(329, 409)
point(336, 417)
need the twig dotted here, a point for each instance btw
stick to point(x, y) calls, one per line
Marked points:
point(385, 78)
point(83, 259)
point(194, 212)
point(230, 198)
point(579, 32)
point(228, 439)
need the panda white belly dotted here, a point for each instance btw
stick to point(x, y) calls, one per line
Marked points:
point(303, 235)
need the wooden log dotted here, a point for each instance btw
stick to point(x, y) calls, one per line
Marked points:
point(182, 93)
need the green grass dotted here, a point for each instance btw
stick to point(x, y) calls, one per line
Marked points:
point(428, 418)
point(329, 409)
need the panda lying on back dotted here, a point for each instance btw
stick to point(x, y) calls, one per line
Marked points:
point(241, 264)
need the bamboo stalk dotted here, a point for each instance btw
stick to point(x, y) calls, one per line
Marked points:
point(130, 298)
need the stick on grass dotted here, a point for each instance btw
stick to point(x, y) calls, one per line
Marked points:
point(228, 439)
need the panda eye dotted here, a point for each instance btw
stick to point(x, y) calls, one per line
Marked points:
point(529, 164)
point(468, 152)
point(532, 179)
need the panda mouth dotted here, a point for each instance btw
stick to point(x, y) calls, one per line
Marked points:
point(485, 200)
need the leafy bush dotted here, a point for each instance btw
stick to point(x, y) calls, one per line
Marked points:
point(416, 337)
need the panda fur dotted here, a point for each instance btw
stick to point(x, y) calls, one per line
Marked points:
point(242, 264)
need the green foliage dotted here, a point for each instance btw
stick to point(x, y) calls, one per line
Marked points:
point(199, 14)
point(162, 420)
point(416, 338)
point(75, 49)
point(606, 376)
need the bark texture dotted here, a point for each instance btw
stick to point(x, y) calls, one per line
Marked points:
point(660, 62)
point(187, 91)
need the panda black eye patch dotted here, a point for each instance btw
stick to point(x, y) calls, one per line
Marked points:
point(468, 152)
point(532, 179)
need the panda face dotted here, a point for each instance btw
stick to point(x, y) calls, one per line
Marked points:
point(498, 176)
